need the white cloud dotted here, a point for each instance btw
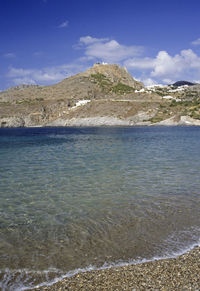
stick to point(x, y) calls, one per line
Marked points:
point(38, 54)
point(149, 82)
point(13, 72)
point(185, 65)
point(168, 81)
point(9, 55)
point(140, 63)
point(108, 50)
point(196, 42)
point(88, 40)
point(48, 75)
point(164, 65)
point(24, 80)
point(64, 24)
point(176, 66)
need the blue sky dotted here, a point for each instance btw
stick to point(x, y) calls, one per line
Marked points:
point(45, 41)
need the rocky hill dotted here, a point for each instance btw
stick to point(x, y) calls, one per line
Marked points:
point(102, 95)
point(182, 83)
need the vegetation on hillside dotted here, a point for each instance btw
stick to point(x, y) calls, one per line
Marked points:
point(108, 86)
point(188, 107)
point(184, 107)
point(121, 88)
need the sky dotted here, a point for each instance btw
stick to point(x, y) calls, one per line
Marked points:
point(44, 41)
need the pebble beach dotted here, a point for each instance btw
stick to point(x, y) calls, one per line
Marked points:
point(180, 273)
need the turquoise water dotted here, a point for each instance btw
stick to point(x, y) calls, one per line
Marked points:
point(75, 197)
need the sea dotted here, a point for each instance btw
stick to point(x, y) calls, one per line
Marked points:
point(78, 199)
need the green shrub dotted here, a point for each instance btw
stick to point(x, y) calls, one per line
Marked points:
point(39, 99)
point(122, 88)
point(194, 115)
point(173, 103)
point(156, 119)
point(23, 101)
point(98, 77)
point(162, 106)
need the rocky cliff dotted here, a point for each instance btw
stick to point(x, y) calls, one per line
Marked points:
point(102, 95)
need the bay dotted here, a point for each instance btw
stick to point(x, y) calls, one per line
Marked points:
point(77, 197)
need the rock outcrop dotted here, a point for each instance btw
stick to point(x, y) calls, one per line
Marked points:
point(114, 74)
point(179, 120)
point(12, 122)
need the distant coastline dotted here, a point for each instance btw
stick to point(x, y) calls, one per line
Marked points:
point(104, 95)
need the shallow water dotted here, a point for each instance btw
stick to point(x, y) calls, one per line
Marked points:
point(74, 197)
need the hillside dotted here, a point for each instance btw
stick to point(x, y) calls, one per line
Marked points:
point(102, 95)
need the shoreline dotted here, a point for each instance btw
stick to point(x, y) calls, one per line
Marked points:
point(178, 273)
point(99, 121)
point(103, 126)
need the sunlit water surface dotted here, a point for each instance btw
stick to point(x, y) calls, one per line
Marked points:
point(74, 197)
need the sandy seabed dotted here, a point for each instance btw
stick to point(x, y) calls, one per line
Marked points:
point(181, 273)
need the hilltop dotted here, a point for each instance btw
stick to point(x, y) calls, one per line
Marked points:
point(182, 83)
point(102, 95)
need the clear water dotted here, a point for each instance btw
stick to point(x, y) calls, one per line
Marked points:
point(74, 197)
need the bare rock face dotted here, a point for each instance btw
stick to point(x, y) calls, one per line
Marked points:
point(179, 120)
point(12, 122)
point(186, 120)
point(195, 87)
